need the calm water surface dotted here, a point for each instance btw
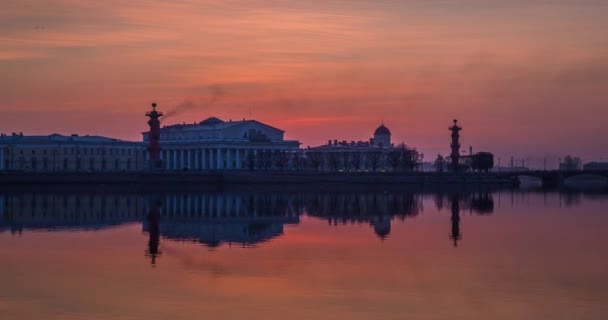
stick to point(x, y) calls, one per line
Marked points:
point(304, 255)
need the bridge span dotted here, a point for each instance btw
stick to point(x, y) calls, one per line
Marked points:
point(553, 178)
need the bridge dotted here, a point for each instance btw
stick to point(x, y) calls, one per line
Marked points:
point(554, 178)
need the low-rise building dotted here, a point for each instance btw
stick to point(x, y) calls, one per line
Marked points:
point(377, 154)
point(595, 166)
point(74, 153)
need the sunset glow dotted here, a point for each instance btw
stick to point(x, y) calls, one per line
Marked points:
point(516, 74)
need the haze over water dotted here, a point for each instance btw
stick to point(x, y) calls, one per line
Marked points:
point(302, 254)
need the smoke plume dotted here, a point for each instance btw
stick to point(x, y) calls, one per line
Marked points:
point(215, 93)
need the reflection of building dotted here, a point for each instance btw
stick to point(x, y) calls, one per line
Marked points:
point(68, 211)
point(377, 209)
point(69, 153)
point(214, 144)
point(214, 218)
point(377, 154)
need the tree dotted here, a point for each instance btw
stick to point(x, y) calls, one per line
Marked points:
point(264, 159)
point(356, 158)
point(395, 156)
point(346, 160)
point(280, 159)
point(297, 160)
point(315, 159)
point(334, 160)
point(374, 160)
point(570, 163)
point(439, 163)
point(410, 159)
point(482, 161)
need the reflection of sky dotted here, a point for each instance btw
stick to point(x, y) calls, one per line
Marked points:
point(318, 69)
point(527, 260)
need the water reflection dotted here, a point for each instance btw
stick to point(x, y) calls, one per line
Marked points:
point(236, 218)
point(455, 235)
point(73, 211)
point(317, 254)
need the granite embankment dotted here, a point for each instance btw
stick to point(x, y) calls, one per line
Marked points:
point(248, 177)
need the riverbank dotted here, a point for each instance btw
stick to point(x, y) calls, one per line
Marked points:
point(251, 178)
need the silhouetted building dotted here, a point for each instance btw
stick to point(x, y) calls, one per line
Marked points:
point(595, 166)
point(73, 153)
point(377, 154)
point(214, 144)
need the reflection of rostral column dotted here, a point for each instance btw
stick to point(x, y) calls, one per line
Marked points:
point(455, 235)
point(455, 145)
point(154, 231)
point(154, 137)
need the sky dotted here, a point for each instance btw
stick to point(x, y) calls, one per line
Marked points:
point(524, 78)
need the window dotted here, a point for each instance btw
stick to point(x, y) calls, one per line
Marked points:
point(45, 163)
point(116, 164)
point(34, 164)
point(128, 164)
point(91, 164)
point(103, 164)
point(65, 164)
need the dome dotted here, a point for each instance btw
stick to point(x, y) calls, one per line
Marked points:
point(382, 227)
point(382, 130)
point(210, 121)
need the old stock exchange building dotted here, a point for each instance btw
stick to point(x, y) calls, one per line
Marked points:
point(213, 144)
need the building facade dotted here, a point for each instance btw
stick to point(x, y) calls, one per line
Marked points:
point(378, 154)
point(213, 144)
point(57, 153)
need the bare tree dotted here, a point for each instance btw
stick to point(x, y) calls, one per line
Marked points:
point(395, 157)
point(356, 160)
point(374, 160)
point(571, 163)
point(315, 159)
point(280, 159)
point(439, 163)
point(297, 160)
point(334, 161)
point(347, 160)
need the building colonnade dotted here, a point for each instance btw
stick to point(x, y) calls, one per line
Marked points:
point(217, 158)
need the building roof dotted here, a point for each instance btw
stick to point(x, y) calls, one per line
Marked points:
point(57, 138)
point(213, 123)
point(210, 121)
point(382, 130)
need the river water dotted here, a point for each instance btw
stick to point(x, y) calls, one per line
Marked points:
point(304, 254)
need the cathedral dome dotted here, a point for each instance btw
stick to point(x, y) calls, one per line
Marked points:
point(382, 130)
